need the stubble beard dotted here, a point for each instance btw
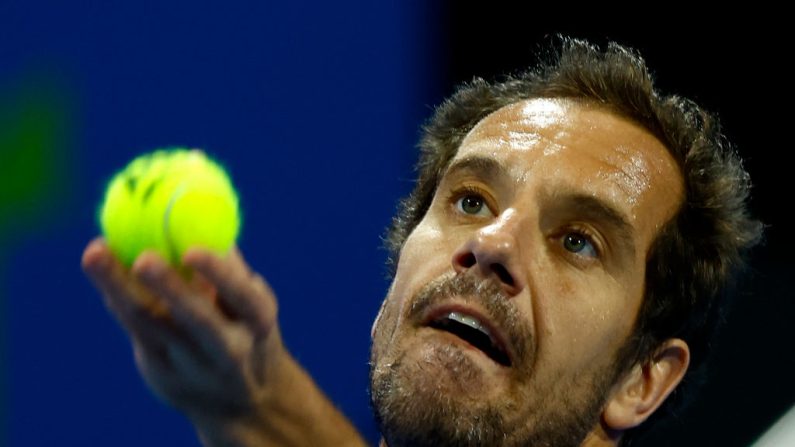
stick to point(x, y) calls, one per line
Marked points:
point(416, 406)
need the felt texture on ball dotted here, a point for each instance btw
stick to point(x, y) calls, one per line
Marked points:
point(168, 201)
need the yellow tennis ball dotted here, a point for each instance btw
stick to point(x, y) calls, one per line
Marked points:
point(168, 201)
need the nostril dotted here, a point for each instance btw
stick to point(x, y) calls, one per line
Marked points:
point(502, 273)
point(467, 260)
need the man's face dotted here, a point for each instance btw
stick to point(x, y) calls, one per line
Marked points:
point(514, 293)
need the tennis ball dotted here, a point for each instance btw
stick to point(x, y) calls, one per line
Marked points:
point(168, 201)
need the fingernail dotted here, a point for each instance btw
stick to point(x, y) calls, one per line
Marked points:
point(149, 266)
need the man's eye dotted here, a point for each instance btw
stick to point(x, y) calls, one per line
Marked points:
point(472, 204)
point(580, 244)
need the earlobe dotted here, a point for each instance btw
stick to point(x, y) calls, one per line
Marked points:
point(646, 386)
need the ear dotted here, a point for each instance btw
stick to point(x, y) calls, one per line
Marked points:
point(644, 388)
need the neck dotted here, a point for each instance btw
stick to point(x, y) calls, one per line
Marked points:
point(599, 437)
point(602, 436)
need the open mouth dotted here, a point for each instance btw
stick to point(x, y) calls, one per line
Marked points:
point(474, 332)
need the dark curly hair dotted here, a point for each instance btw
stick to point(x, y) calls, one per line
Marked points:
point(694, 257)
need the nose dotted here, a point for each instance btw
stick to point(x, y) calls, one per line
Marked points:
point(493, 251)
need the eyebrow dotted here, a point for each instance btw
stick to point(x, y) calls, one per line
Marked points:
point(488, 168)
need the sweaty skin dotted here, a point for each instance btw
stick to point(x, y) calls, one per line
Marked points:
point(548, 172)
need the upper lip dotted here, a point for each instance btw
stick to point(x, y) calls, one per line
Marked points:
point(495, 332)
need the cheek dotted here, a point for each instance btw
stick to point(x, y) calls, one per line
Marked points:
point(586, 319)
point(383, 329)
point(424, 257)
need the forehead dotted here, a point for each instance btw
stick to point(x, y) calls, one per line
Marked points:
point(549, 145)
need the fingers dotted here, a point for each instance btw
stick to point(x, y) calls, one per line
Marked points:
point(189, 311)
point(244, 294)
point(135, 309)
point(145, 318)
point(157, 306)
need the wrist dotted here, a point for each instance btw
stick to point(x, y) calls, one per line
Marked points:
point(290, 410)
point(250, 422)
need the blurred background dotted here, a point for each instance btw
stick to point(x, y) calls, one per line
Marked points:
point(315, 108)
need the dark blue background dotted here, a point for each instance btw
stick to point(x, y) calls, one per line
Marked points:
point(314, 108)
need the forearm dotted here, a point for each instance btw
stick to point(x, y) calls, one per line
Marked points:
point(296, 413)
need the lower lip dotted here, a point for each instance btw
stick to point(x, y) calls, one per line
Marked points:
point(476, 353)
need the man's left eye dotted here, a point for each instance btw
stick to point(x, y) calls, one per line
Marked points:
point(580, 244)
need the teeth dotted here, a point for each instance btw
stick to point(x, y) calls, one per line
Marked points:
point(469, 321)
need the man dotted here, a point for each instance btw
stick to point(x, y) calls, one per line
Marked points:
point(558, 272)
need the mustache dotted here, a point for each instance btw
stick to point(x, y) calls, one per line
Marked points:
point(486, 293)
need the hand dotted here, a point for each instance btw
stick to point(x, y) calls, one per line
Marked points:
point(205, 339)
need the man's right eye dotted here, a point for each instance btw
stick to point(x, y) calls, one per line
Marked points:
point(473, 204)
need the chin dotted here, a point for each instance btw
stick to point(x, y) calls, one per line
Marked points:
point(441, 395)
point(437, 396)
point(427, 411)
